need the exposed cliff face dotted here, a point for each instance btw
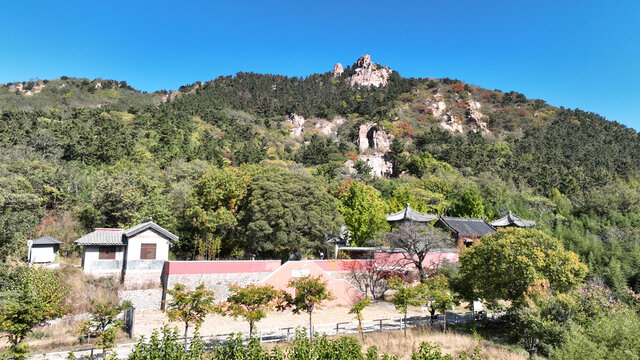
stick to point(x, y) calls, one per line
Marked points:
point(19, 88)
point(370, 137)
point(436, 106)
point(296, 124)
point(475, 116)
point(366, 73)
point(337, 70)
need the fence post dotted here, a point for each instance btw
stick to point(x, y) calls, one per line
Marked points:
point(260, 336)
point(337, 328)
point(380, 324)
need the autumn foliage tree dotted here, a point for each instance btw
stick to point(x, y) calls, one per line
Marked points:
point(190, 307)
point(507, 263)
point(310, 293)
point(252, 302)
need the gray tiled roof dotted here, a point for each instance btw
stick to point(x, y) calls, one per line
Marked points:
point(102, 237)
point(513, 220)
point(409, 214)
point(47, 240)
point(148, 224)
point(468, 226)
point(118, 237)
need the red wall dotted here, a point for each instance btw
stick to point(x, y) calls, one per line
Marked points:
point(344, 292)
point(220, 267)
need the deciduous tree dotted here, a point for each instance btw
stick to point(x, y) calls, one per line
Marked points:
point(505, 264)
point(190, 307)
point(310, 293)
point(363, 211)
point(416, 241)
point(252, 302)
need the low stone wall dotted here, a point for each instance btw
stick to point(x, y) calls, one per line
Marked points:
point(218, 283)
point(215, 275)
point(143, 300)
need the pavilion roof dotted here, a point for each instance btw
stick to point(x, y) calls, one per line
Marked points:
point(408, 214)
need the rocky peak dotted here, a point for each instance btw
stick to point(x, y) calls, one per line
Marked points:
point(366, 73)
point(337, 70)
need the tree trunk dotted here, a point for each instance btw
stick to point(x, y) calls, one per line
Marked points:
point(186, 331)
point(444, 321)
point(421, 272)
point(250, 329)
point(532, 354)
point(405, 323)
point(310, 328)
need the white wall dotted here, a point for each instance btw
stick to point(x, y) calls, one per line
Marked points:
point(43, 254)
point(148, 237)
point(92, 263)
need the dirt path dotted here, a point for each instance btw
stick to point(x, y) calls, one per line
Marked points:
point(147, 321)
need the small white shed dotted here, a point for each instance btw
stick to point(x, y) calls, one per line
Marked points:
point(44, 250)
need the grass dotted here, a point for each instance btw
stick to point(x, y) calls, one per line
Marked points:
point(395, 343)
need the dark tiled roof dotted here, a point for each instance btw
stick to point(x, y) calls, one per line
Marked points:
point(47, 240)
point(468, 226)
point(410, 215)
point(513, 220)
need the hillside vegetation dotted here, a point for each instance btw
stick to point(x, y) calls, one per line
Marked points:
point(78, 154)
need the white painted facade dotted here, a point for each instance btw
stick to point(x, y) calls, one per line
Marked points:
point(127, 244)
point(43, 253)
point(148, 236)
point(93, 265)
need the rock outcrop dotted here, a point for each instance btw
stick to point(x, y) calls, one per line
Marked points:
point(379, 163)
point(367, 73)
point(451, 124)
point(19, 89)
point(475, 116)
point(436, 106)
point(337, 70)
point(369, 137)
point(296, 124)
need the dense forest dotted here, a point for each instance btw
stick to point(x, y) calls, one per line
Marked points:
point(216, 163)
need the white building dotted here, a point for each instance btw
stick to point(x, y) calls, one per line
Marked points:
point(133, 255)
point(44, 250)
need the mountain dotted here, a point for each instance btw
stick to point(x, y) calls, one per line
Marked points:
point(78, 153)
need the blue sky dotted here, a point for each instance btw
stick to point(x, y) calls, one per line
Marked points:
point(582, 54)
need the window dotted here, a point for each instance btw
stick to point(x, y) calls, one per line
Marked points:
point(148, 251)
point(107, 253)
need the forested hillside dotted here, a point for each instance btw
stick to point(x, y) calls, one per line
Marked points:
point(219, 164)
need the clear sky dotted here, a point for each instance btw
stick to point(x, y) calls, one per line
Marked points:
point(583, 54)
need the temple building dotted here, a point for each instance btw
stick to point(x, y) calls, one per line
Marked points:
point(513, 220)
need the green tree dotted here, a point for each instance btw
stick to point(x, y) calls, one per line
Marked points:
point(310, 293)
point(468, 203)
point(167, 345)
point(505, 264)
point(420, 200)
point(288, 212)
point(357, 309)
point(213, 206)
point(363, 211)
point(440, 295)
point(406, 295)
point(104, 322)
point(252, 302)
point(190, 307)
point(32, 297)
point(613, 336)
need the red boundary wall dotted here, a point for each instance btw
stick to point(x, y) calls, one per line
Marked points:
point(220, 267)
